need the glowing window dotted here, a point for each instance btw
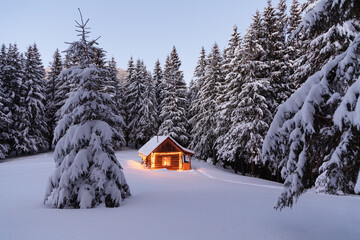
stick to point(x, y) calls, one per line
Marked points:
point(166, 161)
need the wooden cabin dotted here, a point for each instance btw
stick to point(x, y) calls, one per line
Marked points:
point(165, 152)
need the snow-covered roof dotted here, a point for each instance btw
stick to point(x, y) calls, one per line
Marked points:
point(155, 141)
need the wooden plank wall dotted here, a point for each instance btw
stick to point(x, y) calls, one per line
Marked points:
point(174, 161)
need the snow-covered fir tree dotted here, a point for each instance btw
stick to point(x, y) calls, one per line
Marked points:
point(87, 172)
point(158, 79)
point(316, 131)
point(162, 87)
point(294, 21)
point(295, 43)
point(241, 145)
point(116, 92)
point(147, 122)
point(15, 92)
point(195, 85)
point(229, 89)
point(5, 117)
point(128, 97)
point(51, 91)
point(135, 90)
point(229, 52)
point(204, 122)
point(294, 18)
point(99, 57)
point(173, 104)
point(34, 128)
point(282, 86)
point(143, 116)
point(273, 40)
point(114, 89)
point(63, 88)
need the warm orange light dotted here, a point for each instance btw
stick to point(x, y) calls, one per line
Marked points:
point(152, 160)
point(180, 161)
point(167, 153)
point(166, 161)
point(143, 158)
point(171, 153)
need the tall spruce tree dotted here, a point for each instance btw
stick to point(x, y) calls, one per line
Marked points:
point(87, 172)
point(316, 131)
point(195, 85)
point(34, 120)
point(204, 122)
point(229, 51)
point(116, 92)
point(5, 117)
point(144, 122)
point(274, 42)
point(158, 80)
point(51, 91)
point(15, 92)
point(241, 145)
point(229, 89)
point(135, 91)
point(128, 99)
point(295, 43)
point(63, 86)
point(147, 123)
point(173, 104)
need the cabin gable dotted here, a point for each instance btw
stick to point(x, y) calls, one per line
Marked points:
point(167, 146)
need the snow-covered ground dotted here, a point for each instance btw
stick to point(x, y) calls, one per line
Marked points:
point(205, 203)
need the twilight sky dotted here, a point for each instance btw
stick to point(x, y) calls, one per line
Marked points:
point(139, 28)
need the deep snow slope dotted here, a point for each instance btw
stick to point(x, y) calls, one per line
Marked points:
point(206, 203)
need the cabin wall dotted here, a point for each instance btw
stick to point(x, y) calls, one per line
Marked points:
point(174, 161)
point(148, 162)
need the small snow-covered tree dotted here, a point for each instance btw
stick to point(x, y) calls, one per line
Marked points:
point(87, 172)
point(173, 105)
point(316, 130)
point(51, 97)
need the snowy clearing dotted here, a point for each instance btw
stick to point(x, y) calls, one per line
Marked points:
point(205, 203)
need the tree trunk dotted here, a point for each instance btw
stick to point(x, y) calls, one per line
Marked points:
point(242, 165)
point(214, 156)
point(252, 168)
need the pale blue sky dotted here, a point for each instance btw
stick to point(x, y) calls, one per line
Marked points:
point(142, 29)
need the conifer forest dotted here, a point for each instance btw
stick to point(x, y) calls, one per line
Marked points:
point(279, 102)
